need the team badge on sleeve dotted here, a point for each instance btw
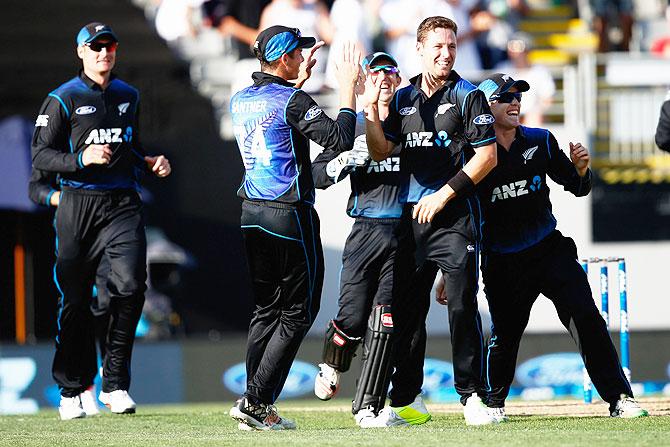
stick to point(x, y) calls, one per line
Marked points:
point(85, 110)
point(313, 113)
point(406, 111)
point(42, 121)
point(484, 119)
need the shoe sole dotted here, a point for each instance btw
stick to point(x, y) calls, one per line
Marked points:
point(71, 418)
point(124, 411)
point(247, 420)
point(419, 420)
point(641, 414)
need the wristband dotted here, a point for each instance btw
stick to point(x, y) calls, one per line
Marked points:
point(461, 183)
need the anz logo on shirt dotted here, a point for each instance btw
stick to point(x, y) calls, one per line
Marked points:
point(391, 164)
point(105, 136)
point(426, 139)
point(516, 189)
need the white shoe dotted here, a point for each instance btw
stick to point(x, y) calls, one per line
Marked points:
point(627, 408)
point(498, 415)
point(475, 412)
point(88, 402)
point(118, 402)
point(327, 382)
point(386, 418)
point(364, 416)
point(70, 408)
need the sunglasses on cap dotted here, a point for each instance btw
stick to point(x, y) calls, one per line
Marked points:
point(388, 69)
point(506, 97)
point(98, 46)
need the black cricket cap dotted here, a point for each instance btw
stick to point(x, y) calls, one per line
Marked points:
point(93, 31)
point(499, 83)
point(277, 40)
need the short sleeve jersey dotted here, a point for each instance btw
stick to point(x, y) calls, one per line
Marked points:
point(437, 134)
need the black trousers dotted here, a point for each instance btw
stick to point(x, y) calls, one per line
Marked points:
point(376, 263)
point(100, 306)
point(451, 241)
point(90, 224)
point(514, 281)
point(285, 261)
point(410, 344)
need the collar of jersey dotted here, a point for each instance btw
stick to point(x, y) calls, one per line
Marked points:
point(519, 138)
point(451, 81)
point(261, 78)
point(90, 83)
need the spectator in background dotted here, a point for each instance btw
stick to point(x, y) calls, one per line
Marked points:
point(312, 18)
point(348, 20)
point(496, 21)
point(400, 20)
point(175, 19)
point(468, 62)
point(603, 11)
point(537, 100)
point(239, 19)
point(661, 45)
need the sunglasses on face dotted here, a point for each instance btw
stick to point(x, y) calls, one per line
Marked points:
point(98, 46)
point(506, 97)
point(388, 69)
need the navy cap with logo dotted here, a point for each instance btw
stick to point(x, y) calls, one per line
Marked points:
point(277, 40)
point(373, 58)
point(94, 31)
point(499, 83)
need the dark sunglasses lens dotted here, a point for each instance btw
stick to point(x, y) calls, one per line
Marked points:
point(389, 69)
point(98, 46)
point(509, 97)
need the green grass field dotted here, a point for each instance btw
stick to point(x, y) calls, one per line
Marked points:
point(330, 424)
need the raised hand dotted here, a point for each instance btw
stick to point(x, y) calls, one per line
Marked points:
point(348, 65)
point(308, 64)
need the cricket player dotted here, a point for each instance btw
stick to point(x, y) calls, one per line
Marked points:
point(273, 122)
point(377, 262)
point(445, 129)
point(87, 132)
point(525, 255)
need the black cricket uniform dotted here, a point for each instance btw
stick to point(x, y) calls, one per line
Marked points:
point(378, 266)
point(42, 186)
point(525, 255)
point(378, 248)
point(100, 214)
point(273, 123)
point(438, 135)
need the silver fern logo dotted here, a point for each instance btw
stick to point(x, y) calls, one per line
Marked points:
point(528, 154)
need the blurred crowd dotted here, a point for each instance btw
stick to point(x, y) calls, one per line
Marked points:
point(489, 36)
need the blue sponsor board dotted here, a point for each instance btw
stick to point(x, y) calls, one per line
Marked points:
point(558, 369)
point(26, 383)
point(300, 380)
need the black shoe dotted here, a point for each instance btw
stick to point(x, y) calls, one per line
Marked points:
point(255, 416)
